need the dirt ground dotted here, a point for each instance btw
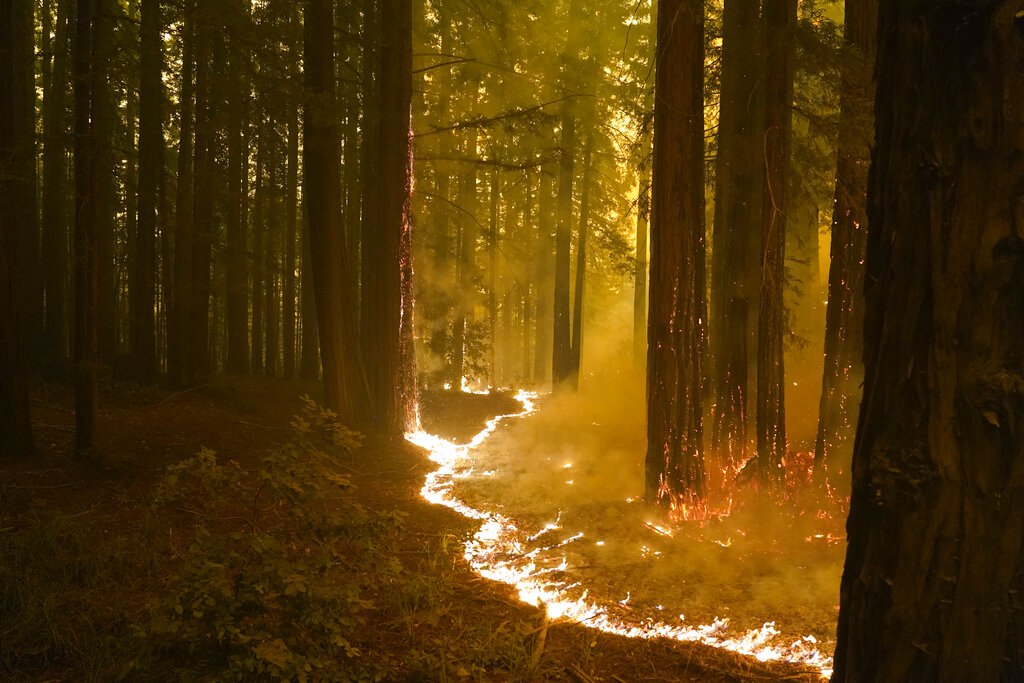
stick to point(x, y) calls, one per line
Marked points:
point(143, 431)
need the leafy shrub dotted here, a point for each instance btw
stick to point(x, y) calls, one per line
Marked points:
point(278, 580)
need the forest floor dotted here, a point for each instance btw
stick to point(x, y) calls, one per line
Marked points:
point(96, 558)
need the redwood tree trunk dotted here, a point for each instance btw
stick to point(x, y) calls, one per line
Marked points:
point(735, 268)
point(15, 419)
point(87, 227)
point(932, 586)
point(151, 164)
point(844, 332)
point(779, 21)
point(676, 341)
point(643, 208)
point(561, 354)
point(384, 254)
point(344, 378)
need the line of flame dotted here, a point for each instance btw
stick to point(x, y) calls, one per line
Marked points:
point(498, 536)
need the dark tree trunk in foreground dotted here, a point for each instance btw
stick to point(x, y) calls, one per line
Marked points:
point(87, 227)
point(151, 163)
point(20, 148)
point(779, 21)
point(309, 360)
point(735, 267)
point(844, 333)
point(344, 379)
point(932, 586)
point(561, 354)
point(15, 420)
point(383, 253)
point(675, 458)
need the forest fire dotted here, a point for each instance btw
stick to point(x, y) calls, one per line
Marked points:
point(500, 551)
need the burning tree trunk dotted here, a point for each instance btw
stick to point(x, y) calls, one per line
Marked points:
point(344, 378)
point(15, 420)
point(386, 251)
point(675, 457)
point(932, 584)
point(840, 386)
point(779, 20)
point(734, 272)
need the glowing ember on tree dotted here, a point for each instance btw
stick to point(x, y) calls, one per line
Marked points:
point(497, 552)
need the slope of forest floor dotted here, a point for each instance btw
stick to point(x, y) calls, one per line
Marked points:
point(112, 569)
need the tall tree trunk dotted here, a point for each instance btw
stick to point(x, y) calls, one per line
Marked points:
point(369, 154)
point(236, 243)
point(932, 583)
point(104, 120)
point(779, 21)
point(22, 197)
point(309, 361)
point(344, 376)
point(87, 227)
point(151, 166)
point(272, 303)
point(202, 208)
point(383, 254)
point(561, 354)
point(492, 277)
point(643, 208)
point(55, 205)
point(544, 264)
point(179, 320)
point(675, 458)
point(581, 265)
point(15, 418)
point(735, 269)
point(291, 232)
point(259, 236)
point(467, 238)
point(844, 334)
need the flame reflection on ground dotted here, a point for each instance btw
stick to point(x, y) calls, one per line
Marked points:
point(496, 552)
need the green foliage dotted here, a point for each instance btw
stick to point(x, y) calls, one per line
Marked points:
point(276, 583)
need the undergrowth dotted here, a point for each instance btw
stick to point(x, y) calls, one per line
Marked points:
point(232, 572)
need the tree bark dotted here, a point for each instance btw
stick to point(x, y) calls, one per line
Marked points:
point(844, 333)
point(87, 227)
point(384, 255)
point(643, 208)
point(179, 320)
point(544, 264)
point(151, 165)
point(779, 18)
point(55, 204)
point(15, 417)
point(675, 458)
point(735, 270)
point(345, 385)
point(581, 265)
point(932, 583)
point(291, 233)
point(236, 242)
point(561, 354)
